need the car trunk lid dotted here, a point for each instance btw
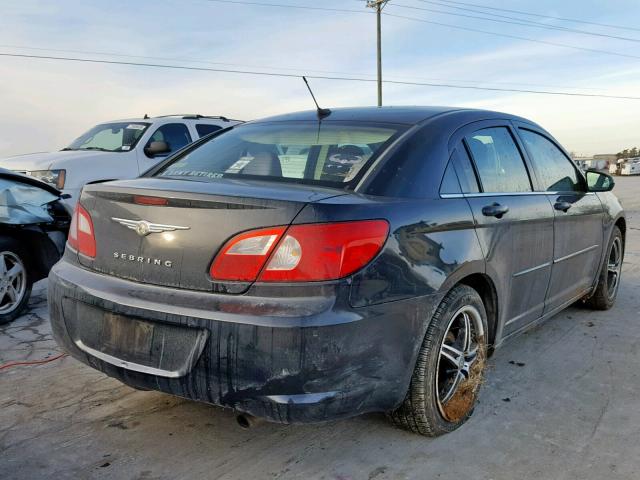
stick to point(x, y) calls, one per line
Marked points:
point(167, 232)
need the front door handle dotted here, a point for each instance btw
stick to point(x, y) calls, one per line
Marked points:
point(495, 210)
point(563, 206)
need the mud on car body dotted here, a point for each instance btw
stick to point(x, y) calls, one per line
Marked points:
point(249, 271)
point(33, 232)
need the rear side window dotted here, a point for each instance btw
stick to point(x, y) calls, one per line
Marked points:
point(331, 153)
point(554, 169)
point(498, 161)
point(464, 169)
point(205, 129)
point(176, 135)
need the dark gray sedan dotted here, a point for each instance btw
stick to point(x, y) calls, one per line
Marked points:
point(320, 265)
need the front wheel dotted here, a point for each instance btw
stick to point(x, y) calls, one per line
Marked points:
point(15, 280)
point(606, 290)
point(450, 367)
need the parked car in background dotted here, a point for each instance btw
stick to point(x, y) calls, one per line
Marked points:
point(115, 150)
point(33, 231)
point(631, 166)
point(314, 266)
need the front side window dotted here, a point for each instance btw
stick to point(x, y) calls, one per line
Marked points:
point(332, 153)
point(110, 137)
point(554, 169)
point(175, 135)
point(498, 161)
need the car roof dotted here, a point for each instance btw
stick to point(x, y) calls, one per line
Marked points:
point(407, 115)
point(173, 118)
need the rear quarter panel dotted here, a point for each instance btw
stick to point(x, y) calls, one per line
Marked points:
point(431, 245)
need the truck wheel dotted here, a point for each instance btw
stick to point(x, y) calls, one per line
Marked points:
point(606, 291)
point(15, 280)
point(450, 367)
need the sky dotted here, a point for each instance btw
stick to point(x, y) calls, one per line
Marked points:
point(45, 104)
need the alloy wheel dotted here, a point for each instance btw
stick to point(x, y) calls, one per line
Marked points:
point(13, 281)
point(614, 266)
point(460, 364)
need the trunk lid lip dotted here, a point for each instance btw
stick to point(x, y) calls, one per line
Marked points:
point(245, 189)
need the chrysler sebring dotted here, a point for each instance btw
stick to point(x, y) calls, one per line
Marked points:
point(321, 265)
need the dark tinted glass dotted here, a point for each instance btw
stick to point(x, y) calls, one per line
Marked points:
point(498, 161)
point(554, 169)
point(450, 182)
point(464, 169)
point(175, 134)
point(205, 129)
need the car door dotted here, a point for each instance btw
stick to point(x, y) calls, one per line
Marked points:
point(513, 223)
point(176, 135)
point(578, 219)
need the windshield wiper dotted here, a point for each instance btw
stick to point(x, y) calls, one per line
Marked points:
point(96, 148)
point(67, 149)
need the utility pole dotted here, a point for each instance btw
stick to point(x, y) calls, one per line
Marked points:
point(379, 5)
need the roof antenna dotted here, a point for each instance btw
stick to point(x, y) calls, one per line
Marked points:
point(322, 112)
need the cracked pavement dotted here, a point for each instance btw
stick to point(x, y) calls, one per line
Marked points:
point(560, 402)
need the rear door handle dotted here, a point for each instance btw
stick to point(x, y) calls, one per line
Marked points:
point(563, 206)
point(495, 210)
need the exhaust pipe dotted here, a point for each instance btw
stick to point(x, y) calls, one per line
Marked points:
point(246, 421)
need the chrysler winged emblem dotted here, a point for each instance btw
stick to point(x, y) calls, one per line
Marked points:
point(144, 228)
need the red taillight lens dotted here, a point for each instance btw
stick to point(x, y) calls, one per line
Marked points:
point(81, 233)
point(242, 258)
point(305, 253)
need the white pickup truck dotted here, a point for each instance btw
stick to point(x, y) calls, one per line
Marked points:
point(115, 150)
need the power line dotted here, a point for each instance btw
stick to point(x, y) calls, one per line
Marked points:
point(526, 23)
point(517, 37)
point(538, 15)
point(542, 42)
point(317, 77)
point(293, 69)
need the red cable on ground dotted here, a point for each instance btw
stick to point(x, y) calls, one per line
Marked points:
point(33, 362)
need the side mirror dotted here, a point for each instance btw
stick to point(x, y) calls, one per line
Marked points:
point(599, 182)
point(157, 148)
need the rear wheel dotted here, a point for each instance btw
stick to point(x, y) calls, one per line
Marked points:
point(15, 280)
point(606, 291)
point(450, 367)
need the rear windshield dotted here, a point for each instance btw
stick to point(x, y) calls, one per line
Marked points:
point(331, 153)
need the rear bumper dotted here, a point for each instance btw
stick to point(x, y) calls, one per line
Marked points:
point(303, 358)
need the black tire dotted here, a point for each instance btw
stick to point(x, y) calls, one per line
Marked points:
point(8, 244)
point(422, 412)
point(606, 292)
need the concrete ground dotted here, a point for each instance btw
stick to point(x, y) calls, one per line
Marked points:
point(560, 402)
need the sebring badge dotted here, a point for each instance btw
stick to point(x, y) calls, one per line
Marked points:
point(144, 228)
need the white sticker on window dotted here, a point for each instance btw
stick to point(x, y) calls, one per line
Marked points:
point(239, 165)
point(135, 126)
point(126, 147)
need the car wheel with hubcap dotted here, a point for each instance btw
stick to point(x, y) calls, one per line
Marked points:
point(450, 367)
point(15, 282)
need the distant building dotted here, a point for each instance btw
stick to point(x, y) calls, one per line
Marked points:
point(609, 157)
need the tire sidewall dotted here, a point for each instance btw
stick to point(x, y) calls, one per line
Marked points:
point(458, 298)
point(605, 273)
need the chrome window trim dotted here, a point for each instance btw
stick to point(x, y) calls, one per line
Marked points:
point(507, 194)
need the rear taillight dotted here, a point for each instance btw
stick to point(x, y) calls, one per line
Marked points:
point(301, 253)
point(81, 234)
